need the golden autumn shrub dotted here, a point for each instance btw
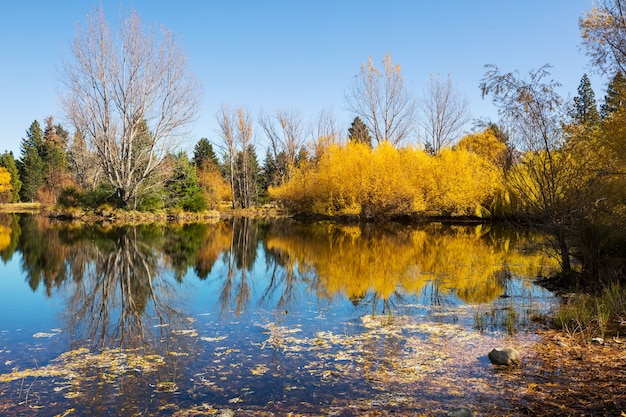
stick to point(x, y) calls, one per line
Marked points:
point(214, 186)
point(464, 183)
point(355, 179)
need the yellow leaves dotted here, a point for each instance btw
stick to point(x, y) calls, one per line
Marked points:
point(5, 237)
point(465, 183)
point(484, 144)
point(356, 180)
point(260, 369)
point(5, 180)
point(72, 364)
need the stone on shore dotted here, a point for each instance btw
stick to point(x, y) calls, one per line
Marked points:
point(505, 356)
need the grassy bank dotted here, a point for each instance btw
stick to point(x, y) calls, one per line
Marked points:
point(584, 316)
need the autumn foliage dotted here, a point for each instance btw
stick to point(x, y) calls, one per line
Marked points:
point(354, 179)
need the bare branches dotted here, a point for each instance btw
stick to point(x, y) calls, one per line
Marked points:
point(531, 109)
point(285, 132)
point(130, 96)
point(237, 138)
point(603, 29)
point(383, 101)
point(444, 113)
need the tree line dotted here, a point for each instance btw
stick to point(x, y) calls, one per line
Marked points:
point(547, 161)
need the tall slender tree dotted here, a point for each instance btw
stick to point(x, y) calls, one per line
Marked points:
point(585, 110)
point(31, 166)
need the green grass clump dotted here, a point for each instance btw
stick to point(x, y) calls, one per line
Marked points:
point(585, 316)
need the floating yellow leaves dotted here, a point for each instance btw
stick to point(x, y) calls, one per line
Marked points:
point(213, 339)
point(260, 369)
point(189, 333)
point(71, 365)
point(166, 386)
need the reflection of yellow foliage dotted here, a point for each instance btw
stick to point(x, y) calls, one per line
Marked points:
point(354, 260)
point(357, 180)
point(218, 239)
point(5, 237)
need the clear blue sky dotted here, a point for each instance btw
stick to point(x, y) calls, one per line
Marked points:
point(299, 55)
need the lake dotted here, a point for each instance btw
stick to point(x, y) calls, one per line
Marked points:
point(261, 317)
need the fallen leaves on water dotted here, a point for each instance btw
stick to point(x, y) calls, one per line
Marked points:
point(70, 365)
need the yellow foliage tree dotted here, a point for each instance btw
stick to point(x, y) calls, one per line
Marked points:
point(484, 144)
point(5, 185)
point(216, 188)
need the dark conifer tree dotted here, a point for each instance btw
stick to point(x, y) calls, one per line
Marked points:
point(31, 166)
point(585, 110)
point(203, 155)
point(615, 95)
point(359, 133)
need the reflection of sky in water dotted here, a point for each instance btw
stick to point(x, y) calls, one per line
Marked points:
point(25, 314)
point(288, 343)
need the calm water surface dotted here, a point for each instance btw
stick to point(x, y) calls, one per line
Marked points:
point(259, 317)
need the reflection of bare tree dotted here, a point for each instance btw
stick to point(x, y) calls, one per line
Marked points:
point(239, 260)
point(283, 279)
point(120, 286)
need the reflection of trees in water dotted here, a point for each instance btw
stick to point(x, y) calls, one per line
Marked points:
point(43, 255)
point(239, 260)
point(378, 266)
point(371, 265)
point(122, 280)
point(122, 297)
point(9, 235)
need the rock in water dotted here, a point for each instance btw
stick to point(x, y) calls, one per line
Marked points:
point(505, 356)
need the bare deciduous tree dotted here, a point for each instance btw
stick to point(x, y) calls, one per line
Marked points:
point(324, 133)
point(383, 101)
point(119, 87)
point(237, 141)
point(286, 134)
point(444, 112)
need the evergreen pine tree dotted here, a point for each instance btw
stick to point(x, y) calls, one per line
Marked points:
point(203, 155)
point(359, 133)
point(31, 166)
point(585, 110)
point(615, 95)
point(183, 187)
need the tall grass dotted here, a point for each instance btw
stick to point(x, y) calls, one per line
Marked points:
point(585, 316)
